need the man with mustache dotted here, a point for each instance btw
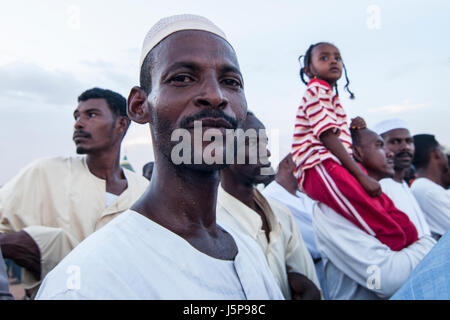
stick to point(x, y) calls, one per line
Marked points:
point(168, 245)
point(398, 140)
point(430, 188)
point(358, 265)
point(54, 203)
point(268, 222)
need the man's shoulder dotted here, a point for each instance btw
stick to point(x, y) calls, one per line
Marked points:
point(136, 180)
point(52, 163)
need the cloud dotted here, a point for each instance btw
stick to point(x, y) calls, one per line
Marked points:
point(397, 108)
point(31, 82)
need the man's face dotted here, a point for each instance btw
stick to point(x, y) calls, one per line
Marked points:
point(401, 143)
point(196, 77)
point(377, 159)
point(94, 126)
point(252, 173)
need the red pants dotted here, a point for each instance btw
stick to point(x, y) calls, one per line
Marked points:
point(333, 185)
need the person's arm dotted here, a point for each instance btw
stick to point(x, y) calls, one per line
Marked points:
point(23, 250)
point(302, 288)
point(331, 141)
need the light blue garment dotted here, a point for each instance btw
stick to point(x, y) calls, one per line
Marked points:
point(4, 288)
point(430, 280)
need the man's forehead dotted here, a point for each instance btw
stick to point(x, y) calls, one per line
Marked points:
point(400, 133)
point(194, 45)
point(326, 48)
point(369, 136)
point(95, 103)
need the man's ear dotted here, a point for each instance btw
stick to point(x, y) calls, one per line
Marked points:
point(307, 72)
point(137, 106)
point(358, 154)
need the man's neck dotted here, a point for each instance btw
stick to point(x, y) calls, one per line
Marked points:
point(105, 165)
point(181, 199)
point(431, 173)
point(238, 189)
point(399, 175)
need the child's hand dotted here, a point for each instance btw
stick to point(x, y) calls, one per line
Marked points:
point(358, 123)
point(372, 187)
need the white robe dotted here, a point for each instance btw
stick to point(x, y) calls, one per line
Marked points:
point(435, 203)
point(133, 257)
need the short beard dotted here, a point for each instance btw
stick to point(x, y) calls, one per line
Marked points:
point(81, 150)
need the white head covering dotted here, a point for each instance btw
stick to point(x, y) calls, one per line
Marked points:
point(166, 26)
point(390, 124)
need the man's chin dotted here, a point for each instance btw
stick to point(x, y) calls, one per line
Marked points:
point(203, 167)
point(81, 150)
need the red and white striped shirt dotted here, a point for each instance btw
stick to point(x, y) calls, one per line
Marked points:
point(319, 111)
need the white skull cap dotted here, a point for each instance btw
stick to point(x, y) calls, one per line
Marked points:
point(390, 124)
point(166, 26)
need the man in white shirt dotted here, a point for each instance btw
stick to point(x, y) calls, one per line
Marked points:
point(168, 245)
point(285, 190)
point(54, 203)
point(398, 140)
point(358, 265)
point(430, 187)
point(267, 221)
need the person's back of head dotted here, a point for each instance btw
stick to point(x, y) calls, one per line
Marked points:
point(147, 170)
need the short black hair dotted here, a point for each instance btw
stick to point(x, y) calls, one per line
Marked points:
point(116, 102)
point(424, 145)
point(145, 76)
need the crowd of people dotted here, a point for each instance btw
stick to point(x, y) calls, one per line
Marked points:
point(351, 212)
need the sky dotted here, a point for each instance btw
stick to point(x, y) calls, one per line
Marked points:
point(396, 54)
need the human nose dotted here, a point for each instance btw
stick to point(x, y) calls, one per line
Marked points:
point(79, 124)
point(389, 153)
point(211, 95)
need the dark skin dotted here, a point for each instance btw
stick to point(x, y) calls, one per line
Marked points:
point(436, 168)
point(401, 143)
point(326, 64)
point(372, 154)
point(196, 71)
point(98, 133)
point(285, 175)
point(239, 180)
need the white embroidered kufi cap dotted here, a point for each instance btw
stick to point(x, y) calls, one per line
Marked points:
point(390, 124)
point(166, 26)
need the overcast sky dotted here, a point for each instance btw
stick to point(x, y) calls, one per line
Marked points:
point(396, 52)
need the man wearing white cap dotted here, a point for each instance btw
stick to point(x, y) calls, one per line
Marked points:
point(398, 140)
point(168, 245)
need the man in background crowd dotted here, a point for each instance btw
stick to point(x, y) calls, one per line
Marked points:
point(430, 187)
point(54, 203)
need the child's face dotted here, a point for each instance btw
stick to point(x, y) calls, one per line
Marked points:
point(326, 63)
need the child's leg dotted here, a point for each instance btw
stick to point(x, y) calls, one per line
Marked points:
point(333, 185)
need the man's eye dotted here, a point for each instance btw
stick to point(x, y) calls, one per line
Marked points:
point(232, 83)
point(324, 58)
point(181, 79)
point(338, 58)
point(92, 115)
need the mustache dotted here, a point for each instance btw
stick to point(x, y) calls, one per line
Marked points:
point(206, 113)
point(405, 153)
point(82, 133)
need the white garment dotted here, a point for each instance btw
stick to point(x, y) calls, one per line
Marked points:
point(133, 257)
point(285, 251)
point(110, 198)
point(435, 203)
point(301, 206)
point(358, 265)
point(404, 200)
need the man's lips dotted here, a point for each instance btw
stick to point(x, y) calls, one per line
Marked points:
point(219, 123)
point(80, 135)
